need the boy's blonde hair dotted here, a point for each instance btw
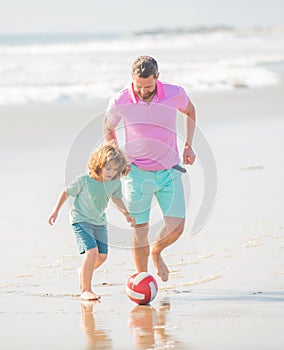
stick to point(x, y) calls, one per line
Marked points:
point(106, 154)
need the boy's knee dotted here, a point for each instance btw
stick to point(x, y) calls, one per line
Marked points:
point(103, 257)
point(92, 252)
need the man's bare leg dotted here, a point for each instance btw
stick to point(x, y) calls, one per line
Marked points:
point(141, 248)
point(168, 235)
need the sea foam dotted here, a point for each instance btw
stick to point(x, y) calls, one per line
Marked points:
point(77, 68)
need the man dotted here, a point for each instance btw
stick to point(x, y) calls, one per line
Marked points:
point(148, 109)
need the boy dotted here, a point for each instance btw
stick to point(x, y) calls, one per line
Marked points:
point(91, 194)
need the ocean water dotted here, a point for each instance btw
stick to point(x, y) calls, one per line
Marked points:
point(81, 67)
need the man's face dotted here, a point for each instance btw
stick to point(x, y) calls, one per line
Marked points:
point(145, 88)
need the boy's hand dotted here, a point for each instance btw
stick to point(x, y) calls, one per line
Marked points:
point(130, 219)
point(52, 218)
point(127, 171)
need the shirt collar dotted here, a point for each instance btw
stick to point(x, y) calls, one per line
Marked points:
point(160, 92)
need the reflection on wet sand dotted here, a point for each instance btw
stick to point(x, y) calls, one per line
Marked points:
point(97, 338)
point(148, 324)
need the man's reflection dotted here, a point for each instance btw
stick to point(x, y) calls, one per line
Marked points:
point(97, 339)
point(149, 325)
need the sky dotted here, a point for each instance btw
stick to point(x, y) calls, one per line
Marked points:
point(47, 16)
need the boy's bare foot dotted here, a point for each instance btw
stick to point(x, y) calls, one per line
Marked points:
point(89, 296)
point(161, 267)
point(87, 305)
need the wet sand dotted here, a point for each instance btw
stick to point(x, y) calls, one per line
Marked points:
point(226, 282)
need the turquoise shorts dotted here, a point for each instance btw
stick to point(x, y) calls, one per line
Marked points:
point(91, 236)
point(165, 185)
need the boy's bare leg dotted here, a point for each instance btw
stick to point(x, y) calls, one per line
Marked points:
point(140, 249)
point(100, 260)
point(86, 274)
point(168, 235)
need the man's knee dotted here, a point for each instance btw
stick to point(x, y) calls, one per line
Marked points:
point(145, 225)
point(141, 229)
point(180, 226)
point(140, 234)
point(175, 225)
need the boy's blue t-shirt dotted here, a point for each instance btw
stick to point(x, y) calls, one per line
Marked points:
point(91, 199)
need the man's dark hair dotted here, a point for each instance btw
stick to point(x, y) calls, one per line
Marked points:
point(144, 67)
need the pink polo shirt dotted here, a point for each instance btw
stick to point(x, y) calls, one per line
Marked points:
point(150, 129)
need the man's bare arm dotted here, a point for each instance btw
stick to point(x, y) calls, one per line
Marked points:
point(109, 131)
point(188, 154)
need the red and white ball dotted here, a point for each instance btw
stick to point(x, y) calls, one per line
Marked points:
point(141, 288)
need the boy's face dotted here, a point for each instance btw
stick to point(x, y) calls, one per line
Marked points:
point(109, 171)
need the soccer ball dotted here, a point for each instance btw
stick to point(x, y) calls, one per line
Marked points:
point(141, 288)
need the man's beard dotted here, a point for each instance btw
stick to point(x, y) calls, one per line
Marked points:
point(148, 96)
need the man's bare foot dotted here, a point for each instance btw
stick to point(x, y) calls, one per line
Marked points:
point(89, 296)
point(161, 267)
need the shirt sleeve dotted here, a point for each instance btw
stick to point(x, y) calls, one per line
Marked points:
point(112, 113)
point(74, 188)
point(117, 193)
point(183, 99)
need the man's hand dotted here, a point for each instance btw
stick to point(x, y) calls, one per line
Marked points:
point(188, 155)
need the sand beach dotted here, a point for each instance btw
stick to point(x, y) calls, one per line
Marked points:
point(226, 286)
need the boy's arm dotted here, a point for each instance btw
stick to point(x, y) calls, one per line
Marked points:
point(121, 206)
point(61, 200)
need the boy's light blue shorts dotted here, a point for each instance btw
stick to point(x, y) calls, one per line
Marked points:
point(91, 236)
point(165, 185)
